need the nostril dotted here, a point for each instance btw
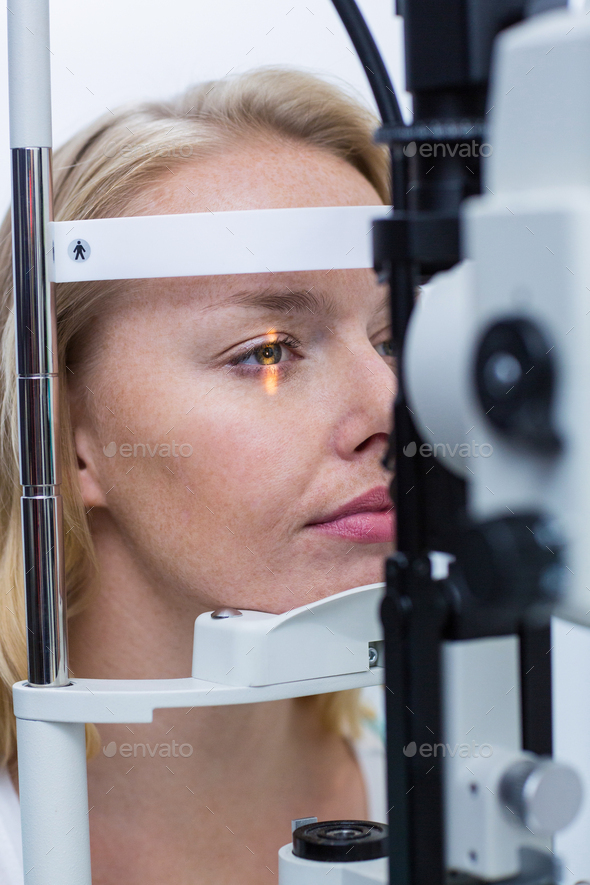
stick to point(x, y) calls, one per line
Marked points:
point(364, 445)
point(377, 440)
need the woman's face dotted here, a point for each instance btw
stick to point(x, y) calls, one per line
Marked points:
point(273, 393)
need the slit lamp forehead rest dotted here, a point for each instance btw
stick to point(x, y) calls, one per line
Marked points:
point(211, 243)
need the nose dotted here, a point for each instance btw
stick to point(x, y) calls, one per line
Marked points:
point(367, 388)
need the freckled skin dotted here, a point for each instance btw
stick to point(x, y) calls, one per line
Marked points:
point(272, 449)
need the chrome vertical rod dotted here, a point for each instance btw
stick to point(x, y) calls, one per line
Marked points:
point(36, 342)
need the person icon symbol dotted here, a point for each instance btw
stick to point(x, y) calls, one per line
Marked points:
point(79, 250)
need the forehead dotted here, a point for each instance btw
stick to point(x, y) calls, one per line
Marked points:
point(299, 295)
point(258, 174)
point(264, 173)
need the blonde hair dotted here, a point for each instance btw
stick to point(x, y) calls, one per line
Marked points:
point(97, 174)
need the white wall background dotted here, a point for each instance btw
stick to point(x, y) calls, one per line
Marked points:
point(107, 52)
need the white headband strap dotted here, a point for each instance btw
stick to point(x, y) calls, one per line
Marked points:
point(209, 243)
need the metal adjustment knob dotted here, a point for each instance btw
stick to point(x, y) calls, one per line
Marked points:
point(226, 613)
point(544, 795)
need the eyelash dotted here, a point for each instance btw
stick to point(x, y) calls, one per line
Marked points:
point(240, 359)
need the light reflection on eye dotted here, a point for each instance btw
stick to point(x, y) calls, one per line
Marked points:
point(264, 359)
point(268, 354)
point(271, 354)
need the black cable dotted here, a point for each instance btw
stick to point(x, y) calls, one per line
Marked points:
point(371, 60)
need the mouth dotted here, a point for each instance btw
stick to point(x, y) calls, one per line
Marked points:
point(367, 519)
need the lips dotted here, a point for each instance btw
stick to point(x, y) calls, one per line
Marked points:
point(373, 501)
point(367, 519)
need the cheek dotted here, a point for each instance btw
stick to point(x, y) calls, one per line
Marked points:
point(253, 460)
point(234, 507)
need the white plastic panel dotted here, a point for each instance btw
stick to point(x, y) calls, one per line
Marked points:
point(54, 803)
point(329, 637)
point(134, 700)
point(298, 871)
point(481, 704)
point(316, 648)
point(210, 243)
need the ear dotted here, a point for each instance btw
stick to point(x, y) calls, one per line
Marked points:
point(88, 475)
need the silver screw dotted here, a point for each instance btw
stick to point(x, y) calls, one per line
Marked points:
point(226, 613)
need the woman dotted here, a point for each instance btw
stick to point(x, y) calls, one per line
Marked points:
point(281, 386)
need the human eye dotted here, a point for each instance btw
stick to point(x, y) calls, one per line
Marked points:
point(386, 348)
point(273, 352)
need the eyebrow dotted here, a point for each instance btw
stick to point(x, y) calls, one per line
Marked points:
point(303, 301)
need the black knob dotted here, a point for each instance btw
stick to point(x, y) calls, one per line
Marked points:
point(341, 840)
point(515, 381)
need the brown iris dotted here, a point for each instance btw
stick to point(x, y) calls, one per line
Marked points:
point(268, 354)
